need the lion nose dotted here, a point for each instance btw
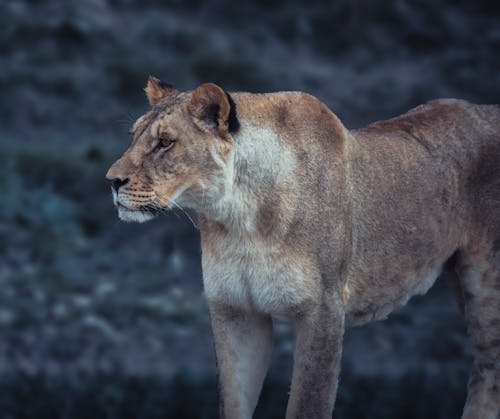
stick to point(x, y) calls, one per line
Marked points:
point(116, 183)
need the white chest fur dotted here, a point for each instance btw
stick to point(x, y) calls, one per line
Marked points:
point(254, 276)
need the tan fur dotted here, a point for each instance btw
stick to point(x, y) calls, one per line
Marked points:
point(304, 220)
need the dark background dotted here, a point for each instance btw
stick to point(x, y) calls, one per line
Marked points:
point(102, 319)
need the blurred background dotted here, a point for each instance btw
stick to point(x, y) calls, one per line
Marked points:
point(102, 319)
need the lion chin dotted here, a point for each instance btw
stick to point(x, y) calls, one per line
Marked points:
point(134, 216)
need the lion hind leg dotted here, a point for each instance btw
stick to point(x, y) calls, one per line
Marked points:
point(480, 282)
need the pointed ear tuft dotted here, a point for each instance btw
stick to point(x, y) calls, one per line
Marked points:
point(157, 90)
point(210, 107)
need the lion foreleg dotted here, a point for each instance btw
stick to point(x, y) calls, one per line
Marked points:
point(318, 348)
point(243, 345)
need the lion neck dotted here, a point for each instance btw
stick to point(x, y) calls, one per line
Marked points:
point(257, 175)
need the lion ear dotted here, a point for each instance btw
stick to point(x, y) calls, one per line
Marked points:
point(157, 90)
point(210, 108)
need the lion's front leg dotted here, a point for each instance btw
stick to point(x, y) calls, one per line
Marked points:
point(243, 345)
point(318, 349)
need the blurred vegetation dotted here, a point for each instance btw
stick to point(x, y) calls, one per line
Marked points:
point(104, 319)
point(187, 395)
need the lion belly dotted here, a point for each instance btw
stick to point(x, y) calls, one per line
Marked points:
point(377, 302)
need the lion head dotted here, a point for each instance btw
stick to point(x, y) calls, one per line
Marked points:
point(178, 153)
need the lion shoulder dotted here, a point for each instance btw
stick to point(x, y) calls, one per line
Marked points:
point(296, 116)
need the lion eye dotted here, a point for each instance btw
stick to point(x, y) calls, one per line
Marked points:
point(165, 142)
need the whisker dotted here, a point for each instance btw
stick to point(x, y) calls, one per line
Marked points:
point(175, 212)
point(122, 122)
point(185, 213)
point(127, 120)
point(131, 117)
point(160, 209)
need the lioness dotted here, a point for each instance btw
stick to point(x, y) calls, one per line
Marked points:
point(305, 220)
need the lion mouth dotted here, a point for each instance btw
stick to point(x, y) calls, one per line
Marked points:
point(139, 215)
point(150, 209)
point(144, 208)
